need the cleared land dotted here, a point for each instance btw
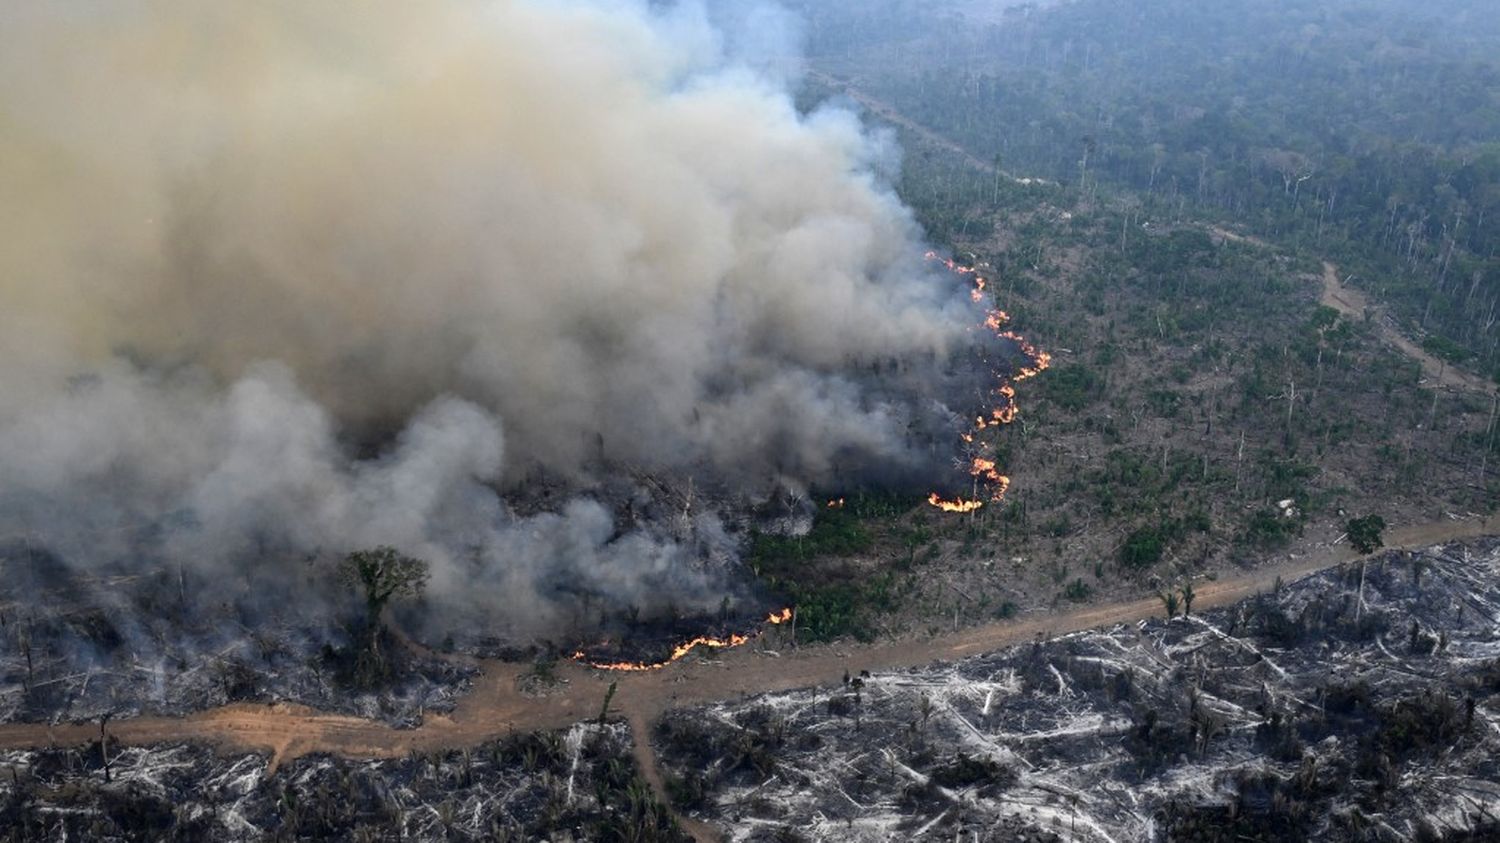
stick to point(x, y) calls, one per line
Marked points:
point(495, 707)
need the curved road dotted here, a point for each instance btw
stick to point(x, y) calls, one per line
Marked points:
point(1356, 305)
point(494, 707)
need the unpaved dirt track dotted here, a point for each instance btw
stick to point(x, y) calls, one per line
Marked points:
point(1335, 294)
point(494, 707)
point(1355, 304)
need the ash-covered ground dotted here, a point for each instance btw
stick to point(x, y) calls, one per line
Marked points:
point(79, 647)
point(1362, 703)
point(581, 784)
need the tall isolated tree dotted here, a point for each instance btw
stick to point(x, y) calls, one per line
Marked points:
point(1090, 144)
point(384, 574)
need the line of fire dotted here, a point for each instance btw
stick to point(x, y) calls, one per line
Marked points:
point(989, 484)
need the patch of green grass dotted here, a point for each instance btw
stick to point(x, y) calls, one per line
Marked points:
point(833, 598)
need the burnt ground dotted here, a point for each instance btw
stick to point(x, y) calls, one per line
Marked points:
point(76, 647)
point(1326, 709)
point(578, 784)
point(1167, 414)
point(1011, 733)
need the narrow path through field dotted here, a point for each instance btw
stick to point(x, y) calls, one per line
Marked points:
point(887, 112)
point(1355, 304)
point(1335, 293)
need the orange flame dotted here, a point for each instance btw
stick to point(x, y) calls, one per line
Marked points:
point(959, 506)
point(681, 650)
point(1037, 361)
point(836, 503)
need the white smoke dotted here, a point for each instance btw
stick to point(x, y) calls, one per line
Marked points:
point(510, 241)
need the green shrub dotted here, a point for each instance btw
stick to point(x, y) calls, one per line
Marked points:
point(1143, 548)
point(1365, 533)
point(1078, 591)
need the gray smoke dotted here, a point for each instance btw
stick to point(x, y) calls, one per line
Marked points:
point(284, 279)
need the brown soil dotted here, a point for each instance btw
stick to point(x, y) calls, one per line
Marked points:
point(495, 707)
point(1356, 305)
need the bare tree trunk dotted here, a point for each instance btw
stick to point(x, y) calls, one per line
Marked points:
point(1239, 463)
point(104, 746)
point(1359, 607)
point(1489, 441)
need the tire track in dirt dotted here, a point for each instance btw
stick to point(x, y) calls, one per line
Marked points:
point(494, 707)
point(1356, 305)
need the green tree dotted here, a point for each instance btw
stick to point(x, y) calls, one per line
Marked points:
point(1169, 602)
point(1143, 548)
point(1365, 533)
point(1188, 595)
point(384, 574)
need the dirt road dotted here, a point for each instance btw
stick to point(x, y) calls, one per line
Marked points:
point(494, 707)
point(1355, 304)
point(889, 114)
point(1335, 294)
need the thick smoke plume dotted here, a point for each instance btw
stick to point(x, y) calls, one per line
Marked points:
point(282, 279)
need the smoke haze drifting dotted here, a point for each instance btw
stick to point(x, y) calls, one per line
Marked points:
point(504, 241)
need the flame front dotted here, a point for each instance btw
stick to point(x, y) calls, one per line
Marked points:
point(681, 650)
point(959, 506)
point(985, 470)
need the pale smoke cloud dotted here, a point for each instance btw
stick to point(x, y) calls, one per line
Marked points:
point(537, 239)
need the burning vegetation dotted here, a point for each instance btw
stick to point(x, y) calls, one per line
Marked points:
point(319, 330)
point(681, 650)
point(989, 485)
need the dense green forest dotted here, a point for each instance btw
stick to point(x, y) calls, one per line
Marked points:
point(1367, 132)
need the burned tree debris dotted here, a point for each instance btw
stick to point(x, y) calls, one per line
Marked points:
point(76, 647)
point(581, 784)
point(1299, 714)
